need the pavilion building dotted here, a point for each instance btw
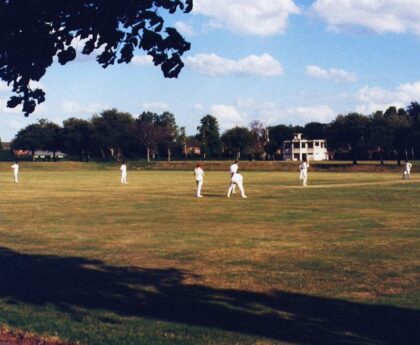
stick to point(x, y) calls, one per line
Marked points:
point(299, 149)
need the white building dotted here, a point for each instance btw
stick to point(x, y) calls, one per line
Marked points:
point(300, 149)
point(48, 155)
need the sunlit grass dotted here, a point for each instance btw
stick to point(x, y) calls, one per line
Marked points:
point(347, 236)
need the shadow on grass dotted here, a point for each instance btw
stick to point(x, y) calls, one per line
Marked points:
point(161, 294)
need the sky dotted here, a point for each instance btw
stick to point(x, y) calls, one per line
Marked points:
point(276, 61)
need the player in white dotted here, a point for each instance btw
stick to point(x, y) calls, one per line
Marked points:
point(407, 170)
point(15, 168)
point(199, 178)
point(233, 170)
point(236, 180)
point(304, 173)
point(123, 169)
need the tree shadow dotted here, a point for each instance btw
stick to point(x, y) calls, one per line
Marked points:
point(70, 283)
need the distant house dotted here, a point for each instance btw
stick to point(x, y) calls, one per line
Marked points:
point(5, 146)
point(48, 155)
point(192, 147)
point(299, 149)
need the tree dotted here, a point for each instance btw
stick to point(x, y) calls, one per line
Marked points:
point(401, 127)
point(146, 131)
point(315, 130)
point(261, 138)
point(237, 141)
point(77, 137)
point(182, 138)
point(28, 138)
point(51, 138)
point(113, 133)
point(36, 31)
point(209, 136)
point(413, 111)
point(167, 132)
point(349, 133)
point(390, 132)
point(278, 134)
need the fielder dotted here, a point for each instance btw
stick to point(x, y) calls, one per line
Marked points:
point(15, 168)
point(123, 169)
point(236, 180)
point(233, 170)
point(407, 170)
point(199, 178)
point(304, 173)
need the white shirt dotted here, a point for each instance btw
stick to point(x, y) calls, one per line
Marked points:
point(408, 166)
point(199, 174)
point(123, 169)
point(234, 168)
point(15, 168)
point(303, 166)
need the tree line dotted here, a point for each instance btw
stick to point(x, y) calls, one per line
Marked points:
point(114, 135)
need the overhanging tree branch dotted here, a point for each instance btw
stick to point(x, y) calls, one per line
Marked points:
point(34, 32)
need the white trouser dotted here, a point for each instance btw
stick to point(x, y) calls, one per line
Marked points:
point(234, 186)
point(124, 178)
point(199, 186)
point(304, 178)
point(238, 181)
point(16, 177)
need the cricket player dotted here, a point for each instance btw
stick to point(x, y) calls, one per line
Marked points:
point(233, 169)
point(407, 170)
point(199, 178)
point(15, 168)
point(304, 173)
point(236, 179)
point(123, 169)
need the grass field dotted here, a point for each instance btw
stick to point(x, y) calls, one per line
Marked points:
point(83, 258)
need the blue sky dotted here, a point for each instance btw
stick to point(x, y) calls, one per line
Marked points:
point(277, 61)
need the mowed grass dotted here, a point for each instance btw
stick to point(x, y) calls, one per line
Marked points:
point(87, 259)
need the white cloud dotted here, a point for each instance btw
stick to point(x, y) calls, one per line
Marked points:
point(154, 106)
point(228, 116)
point(32, 84)
point(4, 88)
point(371, 99)
point(338, 75)
point(79, 44)
point(184, 28)
point(381, 16)
point(13, 119)
point(245, 110)
point(36, 85)
point(317, 113)
point(212, 64)
point(72, 108)
point(5, 109)
point(262, 17)
point(142, 60)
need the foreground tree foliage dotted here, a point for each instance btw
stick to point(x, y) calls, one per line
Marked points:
point(34, 32)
